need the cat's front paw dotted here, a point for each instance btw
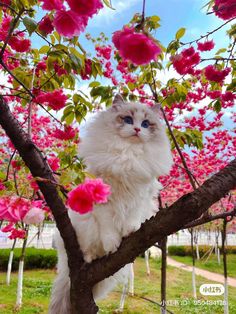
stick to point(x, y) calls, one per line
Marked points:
point(130, 229)
point(110, 245)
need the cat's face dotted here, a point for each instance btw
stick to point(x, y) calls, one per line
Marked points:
point(135, 122)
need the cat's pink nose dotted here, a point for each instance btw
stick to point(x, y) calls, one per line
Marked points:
point(137, 130)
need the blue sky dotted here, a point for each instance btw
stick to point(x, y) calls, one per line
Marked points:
point(173, 13)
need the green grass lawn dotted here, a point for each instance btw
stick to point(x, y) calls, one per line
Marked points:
point(211, 263)
point(37, 285)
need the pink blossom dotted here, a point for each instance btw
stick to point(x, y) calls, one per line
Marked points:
point(34, 216)
point(52, 4)
point(85, 7)
point(67, 134)
point(135, 47)
point(45, 25)
point(5, 25)
point(82, 198)
point(69, 23)
point(15, 164)
point(59, 69)
point(13, 209)
point(8, 2)
point(17, 233)
point(19, 45)
point(8, 228)
point(225, 9)
point(206, 46)
point(54, 163)
point(104, 51)
point(2, 186)
point(185, 61)
point(56, 99)
point(228, 96)
point(215, 75)
point(33, 183)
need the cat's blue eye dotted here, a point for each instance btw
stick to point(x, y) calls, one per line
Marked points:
point(145, 124)
point(128, 120)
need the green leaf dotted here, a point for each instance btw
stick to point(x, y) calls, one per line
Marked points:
point(30, 25)
point(44, 49)
point(222, 50)
point(180, 33)
point(217, 106)
point(94, 84)
point(69, 118)
point(108, 4)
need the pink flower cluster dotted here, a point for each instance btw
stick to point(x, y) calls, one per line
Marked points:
point(104, 51)
point(215, 75)
point(67, 134)
point(54, 163)
point(83, 197)
point(135, 47)
point(206, 46)
point(185, 61)
point(70, 22)
point(14, 232)
point(45, 25)
point(17, 209)
point(17, 41)
point(225, 9)
point(55, 100)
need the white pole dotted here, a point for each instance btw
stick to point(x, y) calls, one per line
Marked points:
point(20, 284)
point(146, 254)
point(123, 296)
point(9, 267)
point(194, 283)
point(131, 279)
point(226, 303)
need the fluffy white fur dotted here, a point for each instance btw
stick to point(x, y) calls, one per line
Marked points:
point(130, 162)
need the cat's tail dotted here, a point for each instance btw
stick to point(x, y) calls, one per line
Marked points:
point(60, 299)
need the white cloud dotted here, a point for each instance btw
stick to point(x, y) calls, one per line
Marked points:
point(106, 15)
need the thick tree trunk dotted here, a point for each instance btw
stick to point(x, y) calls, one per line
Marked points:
point(83, 276)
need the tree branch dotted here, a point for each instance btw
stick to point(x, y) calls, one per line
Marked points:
point(209, 218)
point(167, 221)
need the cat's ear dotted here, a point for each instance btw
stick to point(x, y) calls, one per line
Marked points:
point(156, 108)
point(118, 101)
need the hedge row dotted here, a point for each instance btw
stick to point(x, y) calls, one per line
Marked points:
point(185, 250)
point(34, 258)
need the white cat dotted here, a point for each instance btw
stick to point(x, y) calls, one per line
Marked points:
point(127, 146)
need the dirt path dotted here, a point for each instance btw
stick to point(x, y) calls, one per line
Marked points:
point(201, 272)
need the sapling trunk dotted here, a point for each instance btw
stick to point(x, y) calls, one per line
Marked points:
point(195, 236)
point(146, 254)
point(193, 269)
point(21, 273)
point(9, 266)
point(226, 301)
point(217, 245)
point(131, 279)
point(163, 274)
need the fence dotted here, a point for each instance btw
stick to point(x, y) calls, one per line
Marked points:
point(44, 239)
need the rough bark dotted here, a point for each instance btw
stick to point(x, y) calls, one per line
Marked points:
point(83, 276)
